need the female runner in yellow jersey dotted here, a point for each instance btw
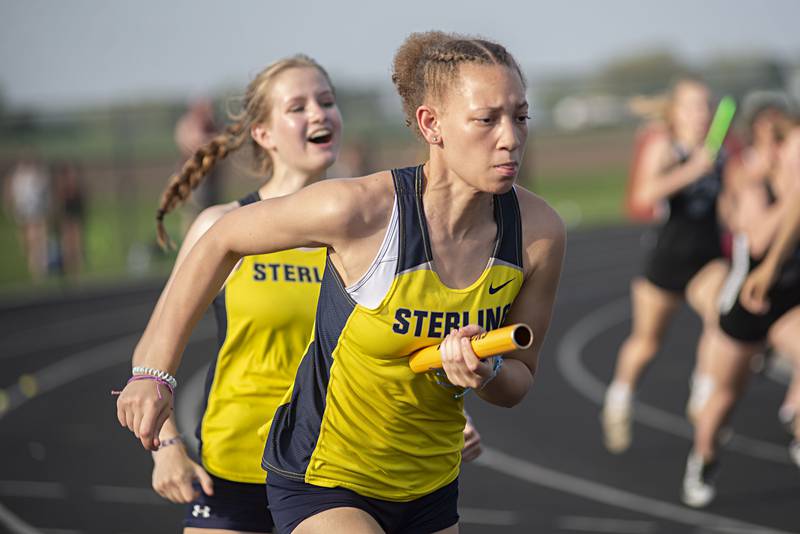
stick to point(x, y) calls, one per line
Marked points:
point(265, 312)
point(362, 444)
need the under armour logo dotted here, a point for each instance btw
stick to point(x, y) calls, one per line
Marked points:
point(201, 511)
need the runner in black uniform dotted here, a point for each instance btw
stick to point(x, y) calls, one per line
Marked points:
point(690, 238)
point(677, 170)
point(742, 169)
point(759, 213)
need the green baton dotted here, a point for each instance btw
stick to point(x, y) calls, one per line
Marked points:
point(720, 125)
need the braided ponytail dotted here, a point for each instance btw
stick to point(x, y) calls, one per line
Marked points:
point(256, 108)
point(182, 183)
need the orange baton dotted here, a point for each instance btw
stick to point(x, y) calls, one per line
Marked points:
point(506, 339)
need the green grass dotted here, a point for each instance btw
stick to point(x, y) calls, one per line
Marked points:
point(582, 199)
point(586, 199)
point(111, 234)
point(12, 268)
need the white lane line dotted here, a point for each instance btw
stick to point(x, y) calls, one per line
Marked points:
point(75, 367)
point(69, 369)
point(27, 489)
point(79, 365)
point(604, 524)
point(595, 491)
point(14, 524)
point(487, 516)
point(570, 349)
point(735, 530)
point(126, 495)
point(69, 331)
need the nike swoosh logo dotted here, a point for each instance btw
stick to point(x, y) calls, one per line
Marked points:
point(493, 290)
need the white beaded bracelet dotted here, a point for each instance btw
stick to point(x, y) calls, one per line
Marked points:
point(163, 375)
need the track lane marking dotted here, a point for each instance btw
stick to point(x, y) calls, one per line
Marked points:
point(605, 524)
point(542, 476)
point(74, 367)
point(570, 350)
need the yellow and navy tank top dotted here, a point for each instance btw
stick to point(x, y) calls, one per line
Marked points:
point(357, 416)
point(265, 317)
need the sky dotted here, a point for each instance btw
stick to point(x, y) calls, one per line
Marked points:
point(81, 53)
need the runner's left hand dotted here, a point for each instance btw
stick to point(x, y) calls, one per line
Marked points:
point(472, 442)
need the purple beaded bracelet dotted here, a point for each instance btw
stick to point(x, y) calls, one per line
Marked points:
point(156, 379)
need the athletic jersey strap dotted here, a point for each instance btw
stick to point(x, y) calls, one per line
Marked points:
point(371, 288)
point(509, 229)
point(250, 198)
point(415, 250)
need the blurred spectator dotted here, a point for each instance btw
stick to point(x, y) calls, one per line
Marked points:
point(69, 216)
point(27, 200)
point(194, 129)
point(354, 160)
point(763, 112)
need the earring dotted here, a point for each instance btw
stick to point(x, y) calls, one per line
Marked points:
point(435, 139)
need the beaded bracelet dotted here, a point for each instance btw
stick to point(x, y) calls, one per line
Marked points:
point(441, 377)
point(170, 441)
point(167, 443)
point(156, 379)
point(496, 365)
point(149, 371)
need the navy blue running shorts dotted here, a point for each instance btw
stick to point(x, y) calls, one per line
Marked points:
point(293, 501)
point(234, 506)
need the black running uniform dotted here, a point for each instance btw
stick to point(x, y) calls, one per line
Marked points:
point(784, 295)
point(690, 237)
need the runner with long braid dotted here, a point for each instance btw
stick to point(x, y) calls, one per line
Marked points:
point(265, 311)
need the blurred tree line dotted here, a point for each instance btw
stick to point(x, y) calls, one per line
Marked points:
point(143, 130)
point(605, 91)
